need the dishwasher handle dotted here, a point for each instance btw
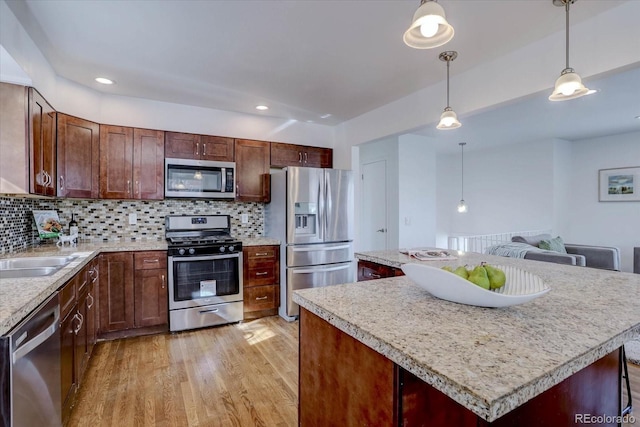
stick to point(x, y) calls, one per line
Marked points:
point(28, 346)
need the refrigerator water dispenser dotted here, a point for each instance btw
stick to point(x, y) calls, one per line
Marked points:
point(305, 214)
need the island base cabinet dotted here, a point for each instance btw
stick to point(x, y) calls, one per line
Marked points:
point(344, 382)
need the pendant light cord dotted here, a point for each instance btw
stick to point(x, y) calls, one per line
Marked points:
point(566, 5)
point(448, 61)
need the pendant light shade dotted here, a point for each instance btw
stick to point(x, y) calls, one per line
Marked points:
point(462, 206)
point(569, 84)
point(429, 28)
point(449, 118)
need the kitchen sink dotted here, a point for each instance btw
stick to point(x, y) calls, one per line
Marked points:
point(14, 268)
point(33, 262)
point(16, 273)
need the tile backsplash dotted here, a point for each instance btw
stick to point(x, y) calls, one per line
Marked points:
point(109, 219)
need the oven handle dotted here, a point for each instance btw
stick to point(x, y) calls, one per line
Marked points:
point(202, 258)
point(211, 310)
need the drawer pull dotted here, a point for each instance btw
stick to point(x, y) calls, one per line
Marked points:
point(151, 260)
point(375, 276)
point(163, 281)
point(261, 298)
point(262, 253)
point(262, 273)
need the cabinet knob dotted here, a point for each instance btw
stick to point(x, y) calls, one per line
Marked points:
point(61, 182)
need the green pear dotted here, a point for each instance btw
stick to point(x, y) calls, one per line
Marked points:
point(462, 272)
point(447, 268)
point(479, 277)
point(497, 279)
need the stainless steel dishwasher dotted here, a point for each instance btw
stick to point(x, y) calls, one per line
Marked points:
point(32, 351)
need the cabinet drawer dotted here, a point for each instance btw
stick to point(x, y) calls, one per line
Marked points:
point(150, 260)
point(257, 254)
point(261, 298)
point(262, 275)
point(67, 296)
point(370, 271)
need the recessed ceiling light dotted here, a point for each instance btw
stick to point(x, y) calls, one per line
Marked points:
point(325, 116)
point(104, 81)
point(261, 107)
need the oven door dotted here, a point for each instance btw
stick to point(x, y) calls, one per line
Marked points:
point(195, 281)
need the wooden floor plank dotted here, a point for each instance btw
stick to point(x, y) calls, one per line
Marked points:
point(238, 375)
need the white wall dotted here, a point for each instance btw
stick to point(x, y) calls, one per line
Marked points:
point(604, 223)
point(72, 98)
point(508, 188)
point(417, 196)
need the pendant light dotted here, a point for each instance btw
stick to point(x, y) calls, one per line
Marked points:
point(429, 28)
point(449, 118)
point(569, 84)
point(462, 206)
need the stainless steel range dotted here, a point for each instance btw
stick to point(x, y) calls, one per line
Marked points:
point(205, 272)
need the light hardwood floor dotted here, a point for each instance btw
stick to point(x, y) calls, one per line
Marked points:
point(236, 375)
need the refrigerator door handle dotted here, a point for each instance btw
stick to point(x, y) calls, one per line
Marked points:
point(324, 248)
point(321, 211)
point(320, 270)
point(327, 198)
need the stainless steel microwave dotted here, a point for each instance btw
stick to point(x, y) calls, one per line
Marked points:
point(206, 179)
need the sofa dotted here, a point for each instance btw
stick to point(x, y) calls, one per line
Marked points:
point(527, 247)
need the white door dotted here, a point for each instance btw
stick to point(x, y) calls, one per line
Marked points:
point(373, 217)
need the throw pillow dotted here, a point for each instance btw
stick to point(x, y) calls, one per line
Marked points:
point(556, 245)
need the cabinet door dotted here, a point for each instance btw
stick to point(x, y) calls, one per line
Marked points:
point(78, 157)
point(283, 155)
point(116, 162)
point(217, 148)
point(116, 292)
point(80, 355)
point(67, 364)
point(182, 145)
point(148, 164)
point(252, 171)
point(317, 157)
point(42, 145)
point(151, 297)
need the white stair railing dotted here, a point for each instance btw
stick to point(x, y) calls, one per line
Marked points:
point(479, 242)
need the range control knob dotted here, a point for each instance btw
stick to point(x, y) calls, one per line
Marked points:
point(232, 248)
point(222, 249)
point(181, 251)
point(192, 251)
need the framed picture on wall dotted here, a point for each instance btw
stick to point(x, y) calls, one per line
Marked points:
point(619, 184)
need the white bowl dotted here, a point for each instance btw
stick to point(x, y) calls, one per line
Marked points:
point(520, 287)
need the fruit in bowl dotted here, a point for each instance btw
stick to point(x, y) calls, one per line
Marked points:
point(484, 275)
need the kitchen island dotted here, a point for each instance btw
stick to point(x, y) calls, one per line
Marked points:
point(385, 352)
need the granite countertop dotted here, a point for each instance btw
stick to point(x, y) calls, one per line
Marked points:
point(489, 360)
point(18, 297)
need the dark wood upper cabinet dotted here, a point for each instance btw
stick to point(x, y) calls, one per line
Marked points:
point(182, 145)
point(116, 162)
point(199, 147)
point(283, 155)
point(42, 145)
point(218, 148)
point(148, 164)
point(253, 182)
point(78, 157)
point(131, 163)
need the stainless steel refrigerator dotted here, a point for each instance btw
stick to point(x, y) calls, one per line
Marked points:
point(311, 213)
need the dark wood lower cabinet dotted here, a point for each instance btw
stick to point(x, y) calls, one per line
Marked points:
point(151, 297)
point(344, 382)
point(116, 292)
point(368, 270)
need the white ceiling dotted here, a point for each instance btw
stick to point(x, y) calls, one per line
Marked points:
point(304, 59)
